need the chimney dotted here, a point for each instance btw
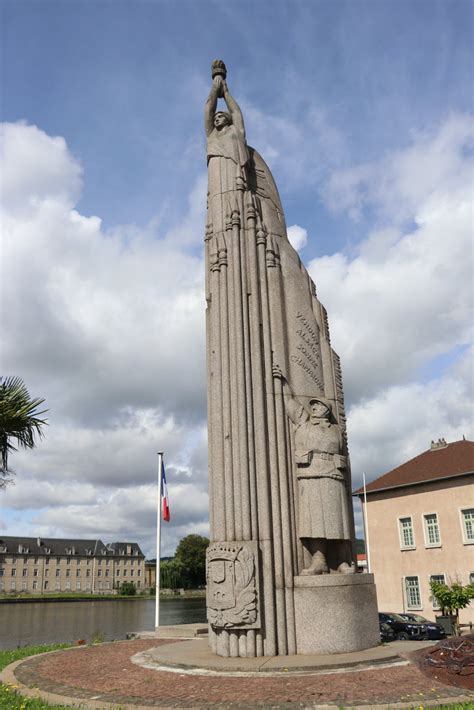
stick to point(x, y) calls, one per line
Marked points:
point(440, 444)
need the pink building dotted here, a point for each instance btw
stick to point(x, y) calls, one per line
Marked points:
point(420, 526)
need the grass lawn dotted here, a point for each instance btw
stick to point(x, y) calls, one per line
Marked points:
point(11, 700)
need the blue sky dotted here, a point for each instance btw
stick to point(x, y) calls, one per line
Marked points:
point(363, 111)
point(124, 81)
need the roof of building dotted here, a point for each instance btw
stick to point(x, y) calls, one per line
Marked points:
point(62, 546)
point(125, 548)
point(440, 461)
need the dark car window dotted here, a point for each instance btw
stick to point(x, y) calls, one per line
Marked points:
point(397, 617)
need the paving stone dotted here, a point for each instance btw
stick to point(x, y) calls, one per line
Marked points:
point(106, 672)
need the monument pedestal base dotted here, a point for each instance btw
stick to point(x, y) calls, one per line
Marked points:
point(336, 613)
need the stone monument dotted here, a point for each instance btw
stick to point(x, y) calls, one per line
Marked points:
point(281, 563)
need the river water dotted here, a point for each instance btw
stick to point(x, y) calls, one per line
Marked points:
point(65, 622)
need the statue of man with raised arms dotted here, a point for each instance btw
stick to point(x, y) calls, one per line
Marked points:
point(227, 152)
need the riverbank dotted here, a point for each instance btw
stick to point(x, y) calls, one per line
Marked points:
point(74, 597)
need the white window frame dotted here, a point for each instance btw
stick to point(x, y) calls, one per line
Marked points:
point(400, 533)
point(436, 606)
point(408, 607)
point(58, 585)
point(463, 524)
point(425, 530)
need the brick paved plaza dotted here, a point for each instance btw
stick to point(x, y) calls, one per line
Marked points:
point(105, 674)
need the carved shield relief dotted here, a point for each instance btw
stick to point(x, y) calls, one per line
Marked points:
point(232, 585)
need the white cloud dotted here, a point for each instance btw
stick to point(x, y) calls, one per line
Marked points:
point(122, 309)
point(400, 310)
point(436, 160)
point(36, 167)
point(406, 296)
point(298, 236)
point(109, 328)
point(131, 515)
point(400, 421)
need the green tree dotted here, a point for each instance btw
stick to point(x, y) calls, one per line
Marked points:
point(451, 598)
point(191, 554)
point(127, 589)
point(19, 421)
point(171, 574)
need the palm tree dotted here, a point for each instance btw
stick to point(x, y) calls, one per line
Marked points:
point(19, 421)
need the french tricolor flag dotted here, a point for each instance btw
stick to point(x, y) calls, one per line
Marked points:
point(164, 495)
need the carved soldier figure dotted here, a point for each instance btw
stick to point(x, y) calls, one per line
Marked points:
point(323, 516)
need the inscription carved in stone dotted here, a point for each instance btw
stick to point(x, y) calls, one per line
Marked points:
point(308, 356)
point(232, 585)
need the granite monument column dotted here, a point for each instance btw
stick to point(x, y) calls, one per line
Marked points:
point(282, 529)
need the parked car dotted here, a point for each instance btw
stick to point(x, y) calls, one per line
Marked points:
point(404, 630)
point(386, 632)
point(433, 630)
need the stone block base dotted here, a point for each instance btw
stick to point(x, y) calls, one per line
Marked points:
point(336, 613)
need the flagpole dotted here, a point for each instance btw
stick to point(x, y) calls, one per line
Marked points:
point(158, 541)
point(366, 527)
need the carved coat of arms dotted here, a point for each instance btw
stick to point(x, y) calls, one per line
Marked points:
point(232, 585)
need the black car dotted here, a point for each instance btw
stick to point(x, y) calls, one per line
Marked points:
point(403, 629)
point(433, 630)
point(386, 632)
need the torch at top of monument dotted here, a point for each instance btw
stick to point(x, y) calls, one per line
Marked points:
point(218, 68)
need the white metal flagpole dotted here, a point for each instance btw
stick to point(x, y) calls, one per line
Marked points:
point(158, 540)
point(366, 527)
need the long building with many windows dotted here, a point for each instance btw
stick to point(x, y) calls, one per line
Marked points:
point(420, 527)
point(46, 565)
